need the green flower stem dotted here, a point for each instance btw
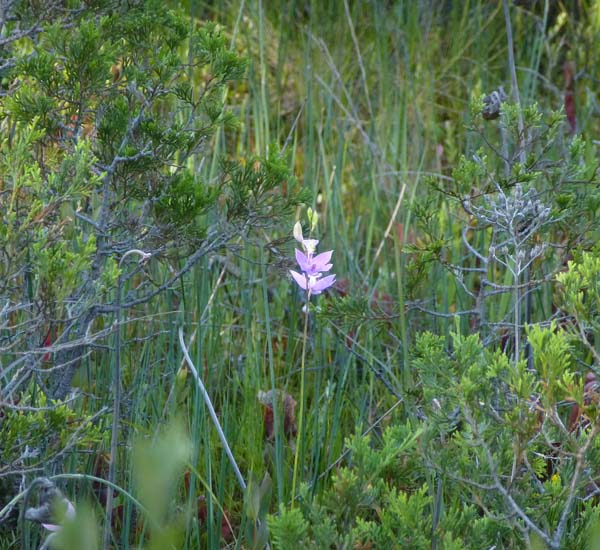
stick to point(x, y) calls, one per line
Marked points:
point(300, 439)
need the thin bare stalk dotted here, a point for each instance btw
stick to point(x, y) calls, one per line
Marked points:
point(388, 229)
point(211, 411)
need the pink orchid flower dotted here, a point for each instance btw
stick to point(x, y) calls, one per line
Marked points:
point(313, 284)
point(313, 265)
point(311, 279)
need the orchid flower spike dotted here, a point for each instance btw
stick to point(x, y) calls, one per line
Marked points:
point(312, 266)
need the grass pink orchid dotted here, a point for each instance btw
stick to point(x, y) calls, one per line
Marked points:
point(312, 266)
point(313, 284)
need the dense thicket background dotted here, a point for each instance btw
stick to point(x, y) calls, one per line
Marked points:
point(154, 158)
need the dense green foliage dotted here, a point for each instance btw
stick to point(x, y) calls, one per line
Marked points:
point(157, 363)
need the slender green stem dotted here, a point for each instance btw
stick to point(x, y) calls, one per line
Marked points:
point(299, 441)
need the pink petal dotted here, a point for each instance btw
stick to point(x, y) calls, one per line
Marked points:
point(322, 284)
point(323, 258)
point(302, 259)
point(300, 279)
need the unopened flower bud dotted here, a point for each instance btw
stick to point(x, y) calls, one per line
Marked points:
point(298, 232)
